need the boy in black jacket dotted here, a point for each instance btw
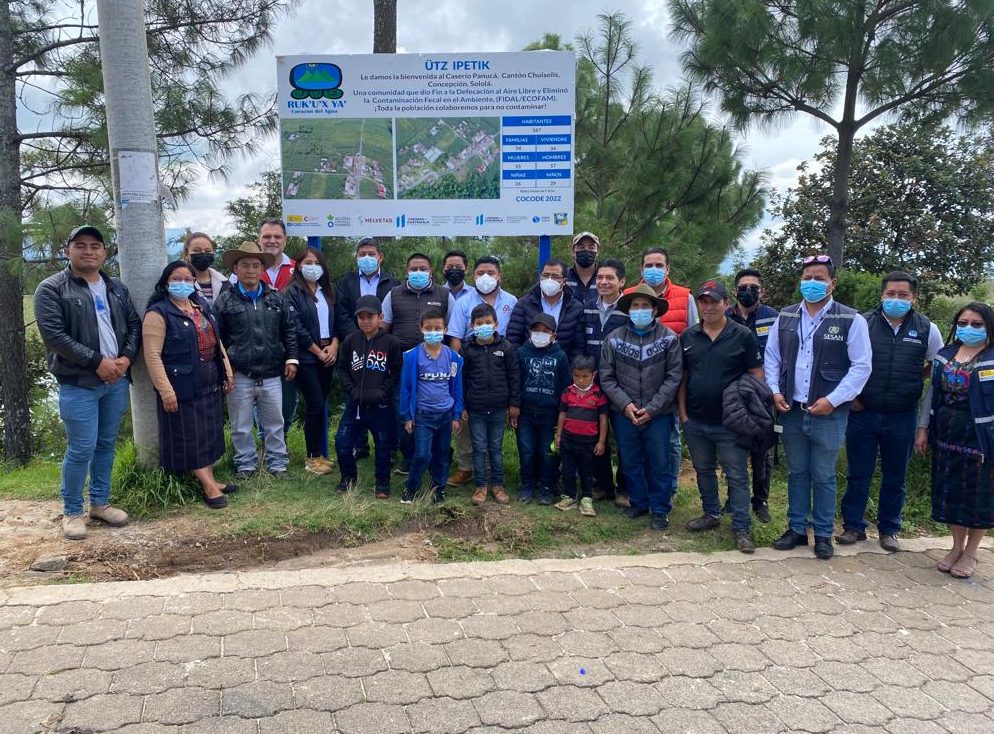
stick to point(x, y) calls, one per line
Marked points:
point(544, 375)
point(492, 390)
point(370, 360)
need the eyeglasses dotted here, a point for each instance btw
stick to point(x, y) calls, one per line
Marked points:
point(748, 288)
point(820, 259)
point(190, 281)
point(974, 324)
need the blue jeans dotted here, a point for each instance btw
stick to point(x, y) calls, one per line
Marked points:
point(92, 419)
point(676, 453)
point(812, 445)
point(894, 435)
point(486, 430)
point(646, 462)
point(536, 431)
point(356, 421)
point(432, 435)
point(404, 440)
point(707, 443)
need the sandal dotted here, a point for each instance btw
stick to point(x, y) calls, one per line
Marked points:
point(948, 561)
point(964, 567)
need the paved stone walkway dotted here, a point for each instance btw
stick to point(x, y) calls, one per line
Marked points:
point(666, 643)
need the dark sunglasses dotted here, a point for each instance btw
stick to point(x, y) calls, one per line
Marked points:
point(747, 288)
point(974, 324)
point(820, 259)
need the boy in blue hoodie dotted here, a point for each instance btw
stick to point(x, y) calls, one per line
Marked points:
point(544, 375)
point(431, 404)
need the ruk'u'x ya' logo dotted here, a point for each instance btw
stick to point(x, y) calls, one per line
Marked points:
point(316, 81)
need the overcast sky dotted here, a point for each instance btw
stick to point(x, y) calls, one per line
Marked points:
point(425, 26)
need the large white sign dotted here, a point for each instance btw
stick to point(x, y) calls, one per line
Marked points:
point(439, 144)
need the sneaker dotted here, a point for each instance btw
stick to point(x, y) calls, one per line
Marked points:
point(545, 497)
point(659, 522)
point(382, 490)
point(762, 513)
point(500, 494)
point(317, 465)
point(438, 495)
point(404, 469)
point(525, 497)
point(890, 543)
point(408, 497)
point(279, 475)
point(73, 527)
point(243, 475)
point(459, 477)
point(849, 537)
point(587, 507)
point(823, 547)
point(328, 461)
point(704, 522)
point(565, 503)
point(743, 542)
point(345, 485)
point(621, 500)
point(790, 540)
point(479, 496)
point(109, 515)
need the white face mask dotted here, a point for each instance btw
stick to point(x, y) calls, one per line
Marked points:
point(540, 339)
point(550, 287)
point(486, 284)
point(312, 272)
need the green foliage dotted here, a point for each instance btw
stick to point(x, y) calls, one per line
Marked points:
point(477, 186)
point(145, 493)
point(922, 201)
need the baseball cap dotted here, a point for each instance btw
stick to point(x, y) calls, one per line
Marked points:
point(544, 319)
point(712, 289)
point(85, 229)
point(368, 304)
point(586, 236)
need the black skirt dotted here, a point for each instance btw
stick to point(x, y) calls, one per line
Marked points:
point(193, 436)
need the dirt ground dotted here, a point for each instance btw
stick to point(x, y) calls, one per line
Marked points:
point(30, 530)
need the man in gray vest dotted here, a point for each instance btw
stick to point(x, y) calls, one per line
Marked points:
point(884, 415)
point(817, 361)
point(402, 309)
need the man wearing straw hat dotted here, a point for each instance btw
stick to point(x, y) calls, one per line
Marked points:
point(256, 329)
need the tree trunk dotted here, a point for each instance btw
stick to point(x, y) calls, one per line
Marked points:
point(141, 237)
point(384, 26)
point(13, 373)
point(838, 206)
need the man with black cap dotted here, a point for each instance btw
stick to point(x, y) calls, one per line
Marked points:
point(92, 333)
point(581, 278)
point(716, 352)
point(370, 362)
point(256, 328)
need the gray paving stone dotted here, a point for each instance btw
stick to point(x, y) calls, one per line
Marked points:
point(47, 660)
point(846, 677)
point(449, 607)
point(102, 713)
point(327, 693)
point(219, 725)
point(253, 600)
point(315, 639)
point(463, 587)
point(959, 722)
point(895, 672)
point(135, 607)
point(192, 604)
point(796, 681)
point(638, 639)
point(856, 708)
point(527, 677)
point(460, 681)
point(534, 648)
point(159, 627)
point(340, 615)
point(68, 612)
point(629, 697)
point(29, 637)
point(373, 717)
point(188, 648)
point(740, 717)
point(736, 656)
point(541, 623)
point(689, 693)
point(282, 619)
point(354, 662)
point(257, 699)
point(550, 601)
point(416, 657)
point(221, 622)
point(361, 592)
point(284, 667)
point(803, 714)
point(308, 597)
point(226, 672)
point(586, 644)
point(430, 631)
point(685, 661)
point(504, 604)
point(911, 702)
point(396, 611)
point(182, 705)
point(476, 653)
point(298, 722)
point(958, 697)
point(379, 634)
point(486, 627)
point(31, 717)
point(396, 687)
point(254, 643)
point(147, 678)
point(119, 654)
point(508, 708)
point(913, 726)
point(633, 666)
point(624, 724)
point(442, 716)
point(16, 616)
point(572, 703)
point(597, 598)
point(17, 687)
point(685, 721)
point(744, 687)
point(511, 585)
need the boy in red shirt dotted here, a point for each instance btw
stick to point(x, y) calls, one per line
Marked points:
point(581, 434)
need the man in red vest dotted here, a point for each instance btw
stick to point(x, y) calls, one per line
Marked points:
point(682, 312)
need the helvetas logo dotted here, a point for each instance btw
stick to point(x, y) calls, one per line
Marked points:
point(479, 220)
point(316, 81)
point(536, 219)
point(401, 221)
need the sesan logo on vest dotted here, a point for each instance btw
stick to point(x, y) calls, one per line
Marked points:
point(833, 335)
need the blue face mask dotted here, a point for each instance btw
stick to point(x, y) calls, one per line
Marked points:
point(654, 276)
point(433, 337)
point(813, 291)
point(418, 279)
point(641, 317)
point(971, 336)
point(181, 290)
point(368, 264)
point(484, 332)
point(896, 308)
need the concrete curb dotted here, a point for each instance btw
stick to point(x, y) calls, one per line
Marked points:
point(221, 582)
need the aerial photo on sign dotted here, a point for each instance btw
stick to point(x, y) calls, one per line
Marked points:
point(337, 159)
point(448, 158)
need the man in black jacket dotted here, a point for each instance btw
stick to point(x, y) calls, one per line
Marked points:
point(369, 279)
point(554, 297)
point(92, 333)
point(370, 361)
point(258, 332)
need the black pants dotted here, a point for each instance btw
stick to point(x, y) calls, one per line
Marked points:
point(314, 382)
point(762, 466)
point(577, 454)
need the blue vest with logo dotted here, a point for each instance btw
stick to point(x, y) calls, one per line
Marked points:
point(830, 361)
point(762, 320)
point(895, 384)
point(980, 391)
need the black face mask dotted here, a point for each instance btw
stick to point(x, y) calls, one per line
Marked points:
point(455, 276)
point(201, 260)
point(585, 258)
point(748, 297)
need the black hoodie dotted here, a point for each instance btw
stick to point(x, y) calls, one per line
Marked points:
point(491, 376)
point(370, 367)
